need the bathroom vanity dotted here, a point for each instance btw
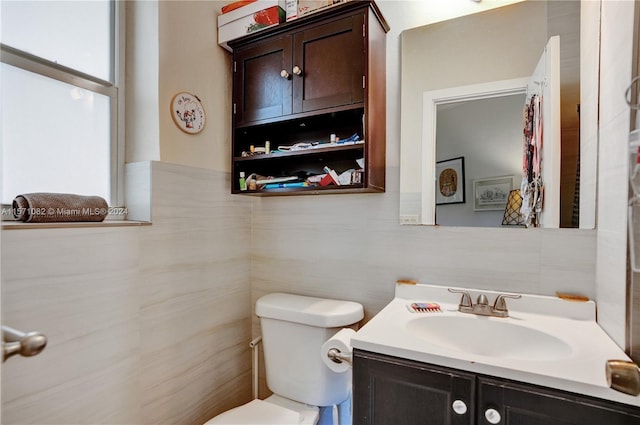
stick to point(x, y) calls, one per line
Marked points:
point(390, 390)
point(545, 364)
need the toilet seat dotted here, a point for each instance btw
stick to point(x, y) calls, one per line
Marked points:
point(272, 412)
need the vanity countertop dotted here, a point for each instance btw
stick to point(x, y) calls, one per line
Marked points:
point(579, 369)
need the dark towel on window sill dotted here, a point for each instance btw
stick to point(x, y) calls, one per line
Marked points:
point(58, 207)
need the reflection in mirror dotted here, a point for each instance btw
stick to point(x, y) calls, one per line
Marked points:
point(490, 132)
point(474, 50)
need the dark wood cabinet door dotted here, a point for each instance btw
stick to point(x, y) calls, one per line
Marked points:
point(520, 404)
point(331, 60)
point(396, 391)
point(260, 92)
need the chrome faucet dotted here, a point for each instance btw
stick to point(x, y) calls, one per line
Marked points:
point(482, 307)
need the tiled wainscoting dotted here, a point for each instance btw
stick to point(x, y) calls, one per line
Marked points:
point(151, 324)
point(146, 324)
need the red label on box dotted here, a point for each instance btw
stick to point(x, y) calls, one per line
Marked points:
point(268, 16)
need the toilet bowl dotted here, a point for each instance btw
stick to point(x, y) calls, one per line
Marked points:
point(294, 327)
point(274, 410)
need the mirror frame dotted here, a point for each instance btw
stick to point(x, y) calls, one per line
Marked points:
point(430, 102)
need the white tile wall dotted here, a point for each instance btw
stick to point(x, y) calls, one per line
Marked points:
point(589, 84)
point(151, 324)
point(138, 190)
point(195, 297)
point(79, 287)
point(146, 324)
point(352, 247)
point(615, 75)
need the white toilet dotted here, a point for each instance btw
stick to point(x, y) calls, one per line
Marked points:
point(294, 328)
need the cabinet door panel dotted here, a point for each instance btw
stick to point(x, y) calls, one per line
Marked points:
point(261, 92)
point(520, 404)
point(332, 58)
point(394, 391)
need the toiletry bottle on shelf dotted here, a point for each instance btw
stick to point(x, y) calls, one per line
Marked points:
point(267, 147)
point(243, 183)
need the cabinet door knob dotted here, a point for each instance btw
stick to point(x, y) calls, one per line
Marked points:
point(459, 407)
point(297, 70)
point(492, 416)
point(284, 74)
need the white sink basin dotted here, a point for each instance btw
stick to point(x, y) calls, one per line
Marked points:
point(546, 340)
point(491, 337)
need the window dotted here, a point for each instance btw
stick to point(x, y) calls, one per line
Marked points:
point(61, 98)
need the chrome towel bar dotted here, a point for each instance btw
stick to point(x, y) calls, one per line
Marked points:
point(16, 342)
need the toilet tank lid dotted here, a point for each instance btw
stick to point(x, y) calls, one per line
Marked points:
point(319, 312)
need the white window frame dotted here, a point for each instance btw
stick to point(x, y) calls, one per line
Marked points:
point(114, 89)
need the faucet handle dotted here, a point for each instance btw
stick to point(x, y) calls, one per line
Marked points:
point(465, 301)
point(500, 305)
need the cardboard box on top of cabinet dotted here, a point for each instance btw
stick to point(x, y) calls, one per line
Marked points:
point(299, 8)
point(251, 17)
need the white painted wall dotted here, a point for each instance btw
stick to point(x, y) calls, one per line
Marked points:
point(190, 60)
point(141, 91)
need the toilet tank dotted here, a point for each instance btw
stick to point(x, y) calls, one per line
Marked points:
point(294, 327)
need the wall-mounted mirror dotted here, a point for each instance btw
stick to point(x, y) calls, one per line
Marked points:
point(489, 48)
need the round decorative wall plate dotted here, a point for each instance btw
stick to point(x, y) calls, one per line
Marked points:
point(187, 112)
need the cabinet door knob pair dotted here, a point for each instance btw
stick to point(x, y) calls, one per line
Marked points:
point(491, 415)
point(296, 70)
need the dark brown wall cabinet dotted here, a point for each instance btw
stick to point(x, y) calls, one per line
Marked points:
point(389, 390)
point(303, 80)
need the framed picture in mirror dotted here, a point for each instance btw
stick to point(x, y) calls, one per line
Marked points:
point(450, 181)
point(491, 194)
